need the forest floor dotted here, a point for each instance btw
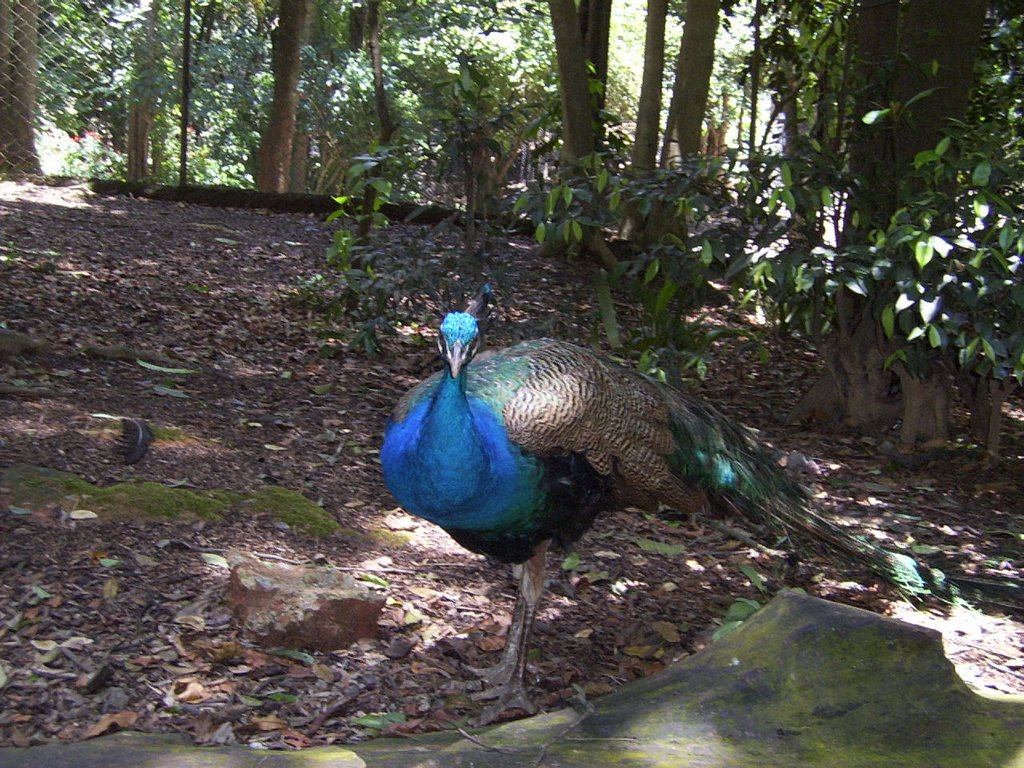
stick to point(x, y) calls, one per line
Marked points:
point(273, 401)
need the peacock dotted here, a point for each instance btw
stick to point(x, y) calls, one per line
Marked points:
point(517, 449)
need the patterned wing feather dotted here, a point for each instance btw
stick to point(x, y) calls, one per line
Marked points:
point(571, 401)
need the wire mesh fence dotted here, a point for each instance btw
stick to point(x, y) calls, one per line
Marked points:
point(179, 91)
point(164, 92)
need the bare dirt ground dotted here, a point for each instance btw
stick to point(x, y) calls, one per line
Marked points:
point(274, 403)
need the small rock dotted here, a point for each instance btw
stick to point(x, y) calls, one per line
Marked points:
point(116, 700)
point(297, 606)
point(399, 648)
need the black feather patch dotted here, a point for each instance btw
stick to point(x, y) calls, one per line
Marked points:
point(135, 439)
point(480, 307)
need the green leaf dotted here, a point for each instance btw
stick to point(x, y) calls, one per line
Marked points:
point(379, 721)
point(982, 174)
point(889, 320)
point(942, 147)
point(981, 208)
point(941, 246)
point(934, 336)
point(217, 561)
point(755, 578)
point(660, 547)
point(923, 252)
point(707, 253)
point(540, 233)
point(161, 389)
point(652, 270)
point(374, 580)
point(290, 653)
point(929, 309)
point(787, 175)
point(163, 369)
point(571, 561)
point(742, 609)
point(875, 116)
point(725, 629)
point(109, 562)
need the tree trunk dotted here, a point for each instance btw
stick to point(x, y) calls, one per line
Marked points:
point(19, 62)
point(595, 25)
point(693, 78)
point(276, 147)
point(946, 34)
point(930, 32)
point(645, 146)
point(755, 77)
point(388, 127)
point(926, 403)
point(985, 397)
point(140, 116)
point(856, 387)
point(573, 86)
point(297, 180)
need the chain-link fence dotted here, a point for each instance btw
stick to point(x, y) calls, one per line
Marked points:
point(168, 92)
point(180, 92)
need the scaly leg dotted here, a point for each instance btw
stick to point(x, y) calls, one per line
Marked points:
point(507, 675)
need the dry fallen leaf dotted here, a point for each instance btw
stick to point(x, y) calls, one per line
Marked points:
point(268, 723)
point(490, 643)
point(667, 630)
point(190, 691)
point(109, 722)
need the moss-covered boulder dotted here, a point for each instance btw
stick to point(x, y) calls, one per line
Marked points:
point(36, 491)
point(802, 683)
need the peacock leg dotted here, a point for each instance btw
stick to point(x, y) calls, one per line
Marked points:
point(507, 675)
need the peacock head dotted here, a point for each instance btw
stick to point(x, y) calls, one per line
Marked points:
point(458, 340)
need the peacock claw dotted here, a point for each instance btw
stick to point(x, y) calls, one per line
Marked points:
point(507, 697)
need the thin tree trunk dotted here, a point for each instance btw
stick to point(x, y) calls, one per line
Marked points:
point(19, 63)
point(595, 26)
point(755, 77)
point(140, 117)
point(577, 114)
point(645, 147)
point(388, 127)
point(276, 148)
point(693, 78)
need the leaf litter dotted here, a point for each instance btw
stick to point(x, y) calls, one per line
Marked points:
point(108, 625)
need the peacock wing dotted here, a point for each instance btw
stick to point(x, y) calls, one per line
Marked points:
point(557, 398)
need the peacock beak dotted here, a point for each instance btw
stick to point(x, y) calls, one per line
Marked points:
point(458, 355)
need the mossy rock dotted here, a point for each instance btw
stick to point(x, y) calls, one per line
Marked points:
point(292, 508)
point(38, 489)
point(803, 683)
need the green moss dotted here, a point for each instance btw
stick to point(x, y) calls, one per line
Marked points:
point(294, 509)
point(37, 487)
point(392, 538)
point(170, 434)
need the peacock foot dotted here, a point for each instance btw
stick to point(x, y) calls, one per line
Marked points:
point(499, 675)
point(511, 695)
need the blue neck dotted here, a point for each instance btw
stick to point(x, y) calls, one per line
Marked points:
point(450, 461)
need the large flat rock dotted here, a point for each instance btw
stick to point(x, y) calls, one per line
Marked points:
point(804, 682)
